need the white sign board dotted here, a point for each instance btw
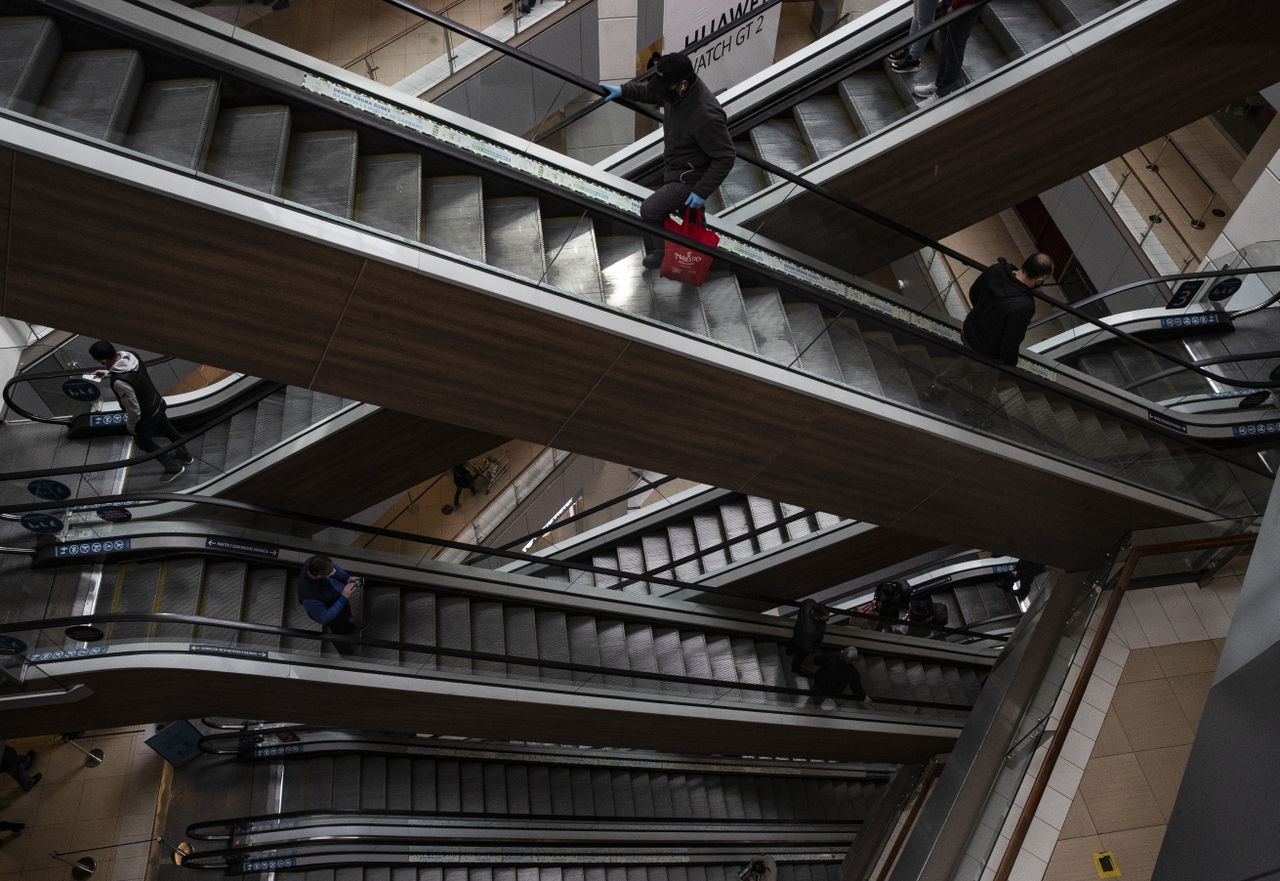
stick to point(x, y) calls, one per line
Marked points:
point(742, 51)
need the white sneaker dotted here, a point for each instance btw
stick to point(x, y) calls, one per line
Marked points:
point(924, 90)
point(828, 704)
point(171, 476)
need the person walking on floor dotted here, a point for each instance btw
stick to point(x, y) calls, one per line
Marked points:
point(19, 766)
point(697, 149)
point(462, 479)
point(325, 590)
point(993, 330)
point(143, 405)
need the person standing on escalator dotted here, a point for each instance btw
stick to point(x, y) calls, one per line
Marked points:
point(143, 406)
point(325, 590)
point(697, 149)
point(807, 635)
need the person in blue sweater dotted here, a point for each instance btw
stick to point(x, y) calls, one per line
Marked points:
point(325, 590)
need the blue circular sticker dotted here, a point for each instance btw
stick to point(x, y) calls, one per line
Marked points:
point(1224, 289)
point(115, 514)
point(11, 645)
point(37, 522)
point(50, 490)
point(78, 389)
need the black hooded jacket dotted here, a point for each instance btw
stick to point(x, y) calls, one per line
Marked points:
point(696, 146)
point(1002, 309)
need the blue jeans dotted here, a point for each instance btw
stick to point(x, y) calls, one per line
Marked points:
point(16, 767)
point(926, 13)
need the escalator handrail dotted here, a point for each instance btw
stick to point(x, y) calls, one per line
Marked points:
point(813, 291)
point(383, 532)
point(1058, 312)
point(66, 621)
point(1230, 358)
point(7, 393)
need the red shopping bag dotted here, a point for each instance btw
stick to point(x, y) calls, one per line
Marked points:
point(686, 265)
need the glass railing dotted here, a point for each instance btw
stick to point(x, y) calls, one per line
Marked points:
point(830, 327)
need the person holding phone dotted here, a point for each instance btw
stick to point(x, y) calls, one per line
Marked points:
point(325, 590)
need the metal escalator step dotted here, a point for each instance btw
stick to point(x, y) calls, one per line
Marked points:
point(404, 873)
point(657, 554)
point(264, 604)
point(573, 262)
point(424, 785)
point(400, 783)
point(972, 609)
point(768, 323)
point(870, 98)
point(725, 314)
point(268, 425)
point(223, 595)
point(622, 267)
point(984, 54)
point(517, 789)
point(488, 634)
point(373, 783)
point(448, 785)
point(137, 590)
point(388, 193)
point(513, 236)
point(670, 658)
point(736, 523)
point(296, 617)
point(181, 596)
point(318, 783)
point(624, 804)
point(764, 514)
point(997, 602)
point(249, 147)
point(743, 181)
point(605, 560)
point(553, 642)
point(240, 436)
point(296, 415)
point(1022, 26)
point(346, 783)
point(348, 873)
point(1100, 364)
point(641, 654)
point(539, 790)
point(93, 92)
point(720, 656)
point(856, 364)
point(471, 787)
point(825, 125)
point(455, 220)
point(561, 790)
point(602, 792)
point(809, 330)
point(684, 546)
point(747, 794)
point(29, 51)
point(453, 623)
point(679, 305)
point(521, 640)
point(697, 658)
point(584, 803)
point(772, 664)
point(1085, 11)
point(891, 372)
point(778, 141)
point(323, 406)
point(663, 804)
point(418, 626)
point(798, 528)
point(321, 172)
point(174, 121)
point(709, 534)
point(495, 790)
point(212, 457)
point(747, 661)
point(376, 873)
point(955, 617)
point(826, 521)
point(631, 559)
point(382, 616)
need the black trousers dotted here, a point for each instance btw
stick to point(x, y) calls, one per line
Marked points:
point(951, 45)
point(663, 202)
point(342, 626)
point(144, 435)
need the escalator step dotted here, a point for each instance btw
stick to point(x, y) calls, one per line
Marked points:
point(709, 534)
point(725, 314)
point(346, 783)
point(553, 642)
point(388, 194)
point(983, 54)
point(744, 180)
point(455, 216)
point(657, 554)
point(539, 790)
point(605, 560)
point(954, 616)
point(561, 791)
point(622, 267)
point(856, 364)
point(683, 546)
point(517, 789)
point(808, 329)
point(212, 457)
point(584, 804)
point(382, 615)
point(720, 655)
point(1023, 26)
point(666, 648)
point(399, 783)
point(323, 406)
point(488, 634)
point(223, 594)
point(264, 604)
point(29, 50)
point(624, 804)
point(181, 596)
point(240, 436)
point(764, 514)
point(448, 785)
point(321, 172)
point(174, 121)
point(778, 141)
point(573, 263)
point(768, 323)
point(825, 125)
point(870, 98)
point(93, 93)
point(513, 236)
point(249, 147)
point(495, 789)
point(747, 663)
point(453, 620)
point(377, 873)
point(296, 617)
point(735, 522)
point(640, 652)
point(972, 609)
point(631, 559)
point(297, 411)
point(1085, 11)
point(319, 784)
point(521, 640)
point(827, 521)
point(373, 783)
point(424, 785)
point(471, 787)
point(418, 626)
point(798, 528)
point(891, 372)
point(268, 426)
point(680, 305)
point(602, 792)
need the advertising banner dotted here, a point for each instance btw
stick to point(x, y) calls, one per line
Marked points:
point(743, 50)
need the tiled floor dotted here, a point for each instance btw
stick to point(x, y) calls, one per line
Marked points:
point(74, 808)
point(1114, 785)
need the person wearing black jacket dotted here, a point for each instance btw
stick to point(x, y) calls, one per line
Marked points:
point(993, 329)
point(697, 149)
point(807, 635)
point(835, 674)
point(143, 405)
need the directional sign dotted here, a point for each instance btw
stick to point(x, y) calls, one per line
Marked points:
point(81, 389)
point(44, 523)
point(50, 490)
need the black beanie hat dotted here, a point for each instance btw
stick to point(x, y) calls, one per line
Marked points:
point(675, 67)
point(102, 349)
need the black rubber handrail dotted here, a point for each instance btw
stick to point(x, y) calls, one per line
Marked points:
point(66, 621)
point(7, 393)
point(382, 532)
point(1162, 279)
point(1217, 359)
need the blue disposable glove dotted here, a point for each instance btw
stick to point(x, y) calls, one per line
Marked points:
point(694, 201)
point(615, 92)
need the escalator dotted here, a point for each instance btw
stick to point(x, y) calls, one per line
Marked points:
point(481, 795)
point(775, 375)
point(200, 616)
point(837, 115)
point(251, 439)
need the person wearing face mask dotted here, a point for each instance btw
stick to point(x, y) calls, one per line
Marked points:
point(697, 150)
